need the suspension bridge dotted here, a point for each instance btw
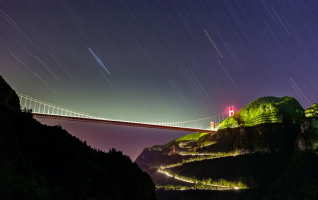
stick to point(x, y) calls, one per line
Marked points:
point(41, 109)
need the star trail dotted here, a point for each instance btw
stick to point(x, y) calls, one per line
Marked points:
point(159, 60)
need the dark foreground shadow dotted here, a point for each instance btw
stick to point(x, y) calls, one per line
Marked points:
point(209, 194)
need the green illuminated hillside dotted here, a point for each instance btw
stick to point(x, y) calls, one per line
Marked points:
point(312, 111)
point(193, 136)
point(266, 110)
point(258, 149)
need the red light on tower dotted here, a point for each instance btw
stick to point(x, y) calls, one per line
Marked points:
point(231, 111)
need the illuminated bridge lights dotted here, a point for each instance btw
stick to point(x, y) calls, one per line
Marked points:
point(231, 111)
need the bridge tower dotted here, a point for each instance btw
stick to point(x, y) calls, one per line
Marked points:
point(231, 111)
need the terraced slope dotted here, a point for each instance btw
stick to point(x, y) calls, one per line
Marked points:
point(266, 110)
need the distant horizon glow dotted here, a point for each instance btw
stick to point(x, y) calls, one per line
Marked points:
point(130, 140)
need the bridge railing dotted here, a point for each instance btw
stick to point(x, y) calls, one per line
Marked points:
point(41, 107)
point(208, 123)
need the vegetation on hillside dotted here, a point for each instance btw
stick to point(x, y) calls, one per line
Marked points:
point(46, 162)
point(220, 184)
point(192, 136)
point(266, 110)
point(312, 111)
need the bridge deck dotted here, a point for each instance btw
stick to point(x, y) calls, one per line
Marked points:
point(120, 123)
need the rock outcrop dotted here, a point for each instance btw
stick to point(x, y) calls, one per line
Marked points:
point(148, 155)
point(308, 138)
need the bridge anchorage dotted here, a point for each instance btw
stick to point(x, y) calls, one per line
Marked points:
point(41, 109)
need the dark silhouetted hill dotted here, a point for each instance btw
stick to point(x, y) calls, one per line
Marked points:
point(46, 162)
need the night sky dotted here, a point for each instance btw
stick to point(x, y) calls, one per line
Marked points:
point(157, 60)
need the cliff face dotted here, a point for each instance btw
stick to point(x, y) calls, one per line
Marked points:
point(263, 138)
point(299, 180)
point(308, 138)
point(148, 155)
